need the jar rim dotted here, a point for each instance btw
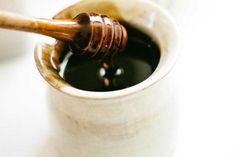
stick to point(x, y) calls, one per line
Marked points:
point(52, 77)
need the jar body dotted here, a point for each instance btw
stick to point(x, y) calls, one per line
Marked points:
point(139, 121)
point(141, 125)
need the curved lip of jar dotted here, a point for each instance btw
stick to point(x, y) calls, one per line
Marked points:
point(82, 94)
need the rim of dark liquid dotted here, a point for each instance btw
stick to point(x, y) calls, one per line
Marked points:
point(137, 38)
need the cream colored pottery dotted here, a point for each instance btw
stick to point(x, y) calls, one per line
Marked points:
point(139, 121)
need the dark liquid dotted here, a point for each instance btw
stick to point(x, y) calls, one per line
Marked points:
point(135, 64)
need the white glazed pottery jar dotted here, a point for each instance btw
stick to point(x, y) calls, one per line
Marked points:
point(139, 121)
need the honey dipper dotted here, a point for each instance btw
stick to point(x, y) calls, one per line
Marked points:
point(88, 33)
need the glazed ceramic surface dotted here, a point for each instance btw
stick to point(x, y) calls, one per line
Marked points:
point(139, 121)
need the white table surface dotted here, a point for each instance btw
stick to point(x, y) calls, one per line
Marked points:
point(206, 73)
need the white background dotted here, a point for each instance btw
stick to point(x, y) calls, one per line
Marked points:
point(206, 72)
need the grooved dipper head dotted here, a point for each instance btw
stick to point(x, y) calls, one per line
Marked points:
point(99, 36)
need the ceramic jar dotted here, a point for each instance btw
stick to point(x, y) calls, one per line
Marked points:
point(139, 121)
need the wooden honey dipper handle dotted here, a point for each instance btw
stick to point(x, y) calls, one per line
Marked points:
point(59, 29)
point(93, 34)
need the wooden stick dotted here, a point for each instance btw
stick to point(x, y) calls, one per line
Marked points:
point(94, 34)
point(65, 30)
